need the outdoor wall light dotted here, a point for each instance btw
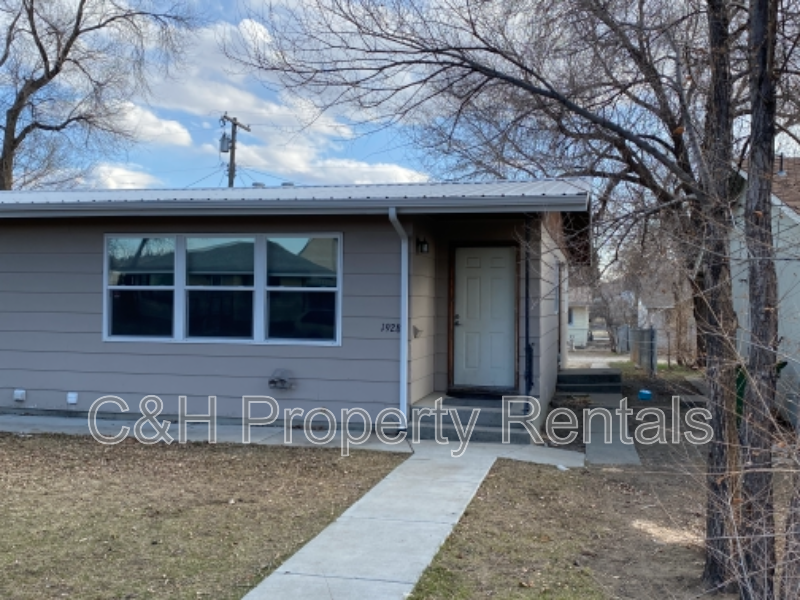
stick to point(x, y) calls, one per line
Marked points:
point(422, 246)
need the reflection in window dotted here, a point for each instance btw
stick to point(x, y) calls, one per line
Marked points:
point(302, 315)
point(220, 314)
point(295, 266)
point(146, 313)
point(219, 261)
point(260, 287)
point(302, 262)
point(140, 261)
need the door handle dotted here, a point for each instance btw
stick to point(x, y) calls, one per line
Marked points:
point(455, 321)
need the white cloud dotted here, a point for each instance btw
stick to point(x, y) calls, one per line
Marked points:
point(254, 32)
point(150, 128)
point(117, 177)
point(352, 171)
point(302, 164)
point(289, 138)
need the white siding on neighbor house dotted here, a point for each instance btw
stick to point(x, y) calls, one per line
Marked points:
point(578, 330)
point(51, 303)
point(786, 233)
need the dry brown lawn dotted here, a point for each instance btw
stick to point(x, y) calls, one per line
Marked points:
point(87, 521)
point(533, 531)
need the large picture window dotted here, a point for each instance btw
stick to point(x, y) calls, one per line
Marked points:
point(257, 288)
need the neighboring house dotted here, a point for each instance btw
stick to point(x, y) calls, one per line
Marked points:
point(666, 306)
point(786, 240)
point(369, 296)
point(580, 300)
point(653, 309)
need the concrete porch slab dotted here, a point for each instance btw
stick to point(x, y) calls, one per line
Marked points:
point(429, 400)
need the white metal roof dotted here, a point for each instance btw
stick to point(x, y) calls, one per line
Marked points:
point(408, 198)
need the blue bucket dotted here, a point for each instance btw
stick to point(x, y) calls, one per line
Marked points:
point(645, 395)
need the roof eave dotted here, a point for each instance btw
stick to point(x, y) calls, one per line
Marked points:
point(482, 205)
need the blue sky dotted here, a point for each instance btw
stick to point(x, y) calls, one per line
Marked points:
point(179, 130)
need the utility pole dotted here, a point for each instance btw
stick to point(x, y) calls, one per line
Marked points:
point(235, 124)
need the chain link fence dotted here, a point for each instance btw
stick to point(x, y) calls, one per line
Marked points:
point(644, 349)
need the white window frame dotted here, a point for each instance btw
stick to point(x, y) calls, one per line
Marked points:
point(260, 290)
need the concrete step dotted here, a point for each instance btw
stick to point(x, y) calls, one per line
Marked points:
point(487, 417)
point(479, 434)
point(700, 383)
point(489, 421)
point(589, 388)
point(450, 401)
point(584, 376)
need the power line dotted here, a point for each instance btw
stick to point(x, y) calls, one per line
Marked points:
point(217, 170)
point(265, 173)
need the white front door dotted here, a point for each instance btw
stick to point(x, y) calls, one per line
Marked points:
point(483, 319)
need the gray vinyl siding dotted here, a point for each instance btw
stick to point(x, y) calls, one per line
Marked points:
point(422, 312)
point(51, 299)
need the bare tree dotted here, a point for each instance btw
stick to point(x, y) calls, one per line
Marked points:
point(67, 69)
point(650, 94)
point(757, 431)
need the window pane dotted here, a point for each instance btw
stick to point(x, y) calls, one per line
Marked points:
point(141, 261)
point(302, 262)
point(219, 261)
point(302, 315)
point(141, 312)
point(220, 314)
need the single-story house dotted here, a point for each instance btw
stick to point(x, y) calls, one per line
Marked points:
point(326, 296)
point(786, 240)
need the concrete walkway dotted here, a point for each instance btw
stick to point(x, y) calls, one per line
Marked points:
point(379, 548)
point(598, 452)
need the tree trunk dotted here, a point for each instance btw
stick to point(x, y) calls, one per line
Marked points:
point(757, 432)
point(700, 310)
point(7, 150)
point(718, 328)
point(716, 317)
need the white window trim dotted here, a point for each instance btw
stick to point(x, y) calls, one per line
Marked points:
point(259, 289)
